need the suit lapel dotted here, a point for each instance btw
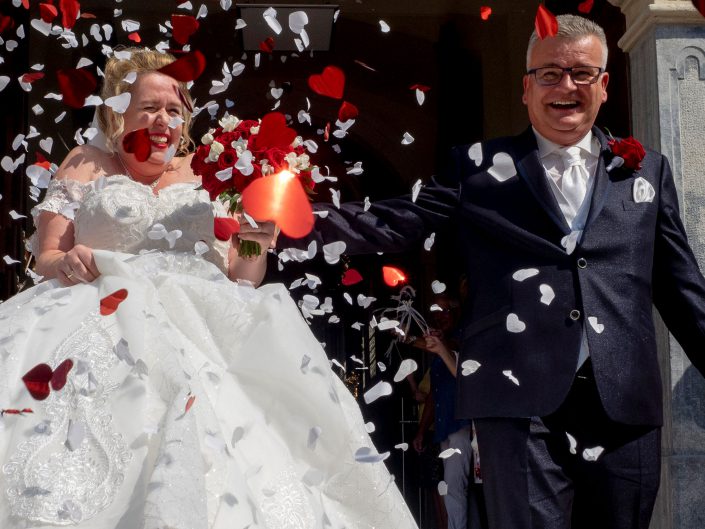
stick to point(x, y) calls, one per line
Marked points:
point(532, 172)
point(602, 179)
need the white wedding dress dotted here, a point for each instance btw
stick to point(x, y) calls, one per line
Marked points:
point(200, 403)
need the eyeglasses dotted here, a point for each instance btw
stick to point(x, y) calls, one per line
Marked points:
point(552, 75)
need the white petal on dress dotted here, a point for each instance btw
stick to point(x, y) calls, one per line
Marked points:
point(240, 456)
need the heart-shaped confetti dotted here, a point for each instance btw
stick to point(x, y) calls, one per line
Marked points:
point(547, 294)
point(137, 143)
point(225, 227)
point(76, 85)
point(186, 68)
point(503, 167)
point(596, 326)
point(469, 367)
point(393, 276)
point(524, 273)
point(58, 379)
point(134, 37)
point(437, 287)
point(329, 83)
point(545, 23)
point(593, 454)
point(280, 198)
point(6, 22)
point(406, 367)
point(119, 103)
point(332, 251)
point(109, 304)
point(514, 324)
point(267, 45)
point(69, 12)
point(586, 6)
point(347, 111)
point(183, 26)
point(37, 379)
point(273, 133)
point(48, 12)
point(475, 153)
point(351, 277)
point(381, 389)
point(508, 373)
point(485, 12)
point(31, 77)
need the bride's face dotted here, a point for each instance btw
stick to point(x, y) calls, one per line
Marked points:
point(154, 105)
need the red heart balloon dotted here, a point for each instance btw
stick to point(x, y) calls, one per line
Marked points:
point(351, 277)
point(392, 276)
point(36, 380)
point(586, 6)
point(137, 142)
point(58, 379)
point(330, 83)
point(186, 68)
point(267, 45)
point(109, 304)
point(545, 23)
point(280, 198)
point(76, 85)
point(69, 12)
point(225, 227)
point(48, 12)
point(273, 132)
point(347, 111)
point(182, 27)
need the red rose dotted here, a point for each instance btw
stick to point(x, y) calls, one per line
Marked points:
point(276, 158)
point(630, 150)
point(227, 158)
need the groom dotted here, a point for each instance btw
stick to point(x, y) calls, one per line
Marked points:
point(568, 238)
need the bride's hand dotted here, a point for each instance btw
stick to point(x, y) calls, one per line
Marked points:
point(77, 266)
point(265, 233)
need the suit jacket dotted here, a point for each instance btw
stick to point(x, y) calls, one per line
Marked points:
point(630, 255)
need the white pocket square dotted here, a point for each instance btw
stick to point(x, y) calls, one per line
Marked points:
point(643, 191)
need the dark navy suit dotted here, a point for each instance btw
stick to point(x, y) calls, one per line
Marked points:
point(630, 255)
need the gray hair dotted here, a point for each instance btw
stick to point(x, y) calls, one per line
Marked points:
point(573, 27)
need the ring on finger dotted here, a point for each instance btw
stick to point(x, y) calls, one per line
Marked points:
point(69, 275)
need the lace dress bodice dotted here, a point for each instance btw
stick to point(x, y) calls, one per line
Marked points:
point(116, 213)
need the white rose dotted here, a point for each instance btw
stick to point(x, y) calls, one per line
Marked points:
point(216, 149)
point(229, 123)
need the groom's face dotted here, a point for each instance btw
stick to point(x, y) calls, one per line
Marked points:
point(565, 112)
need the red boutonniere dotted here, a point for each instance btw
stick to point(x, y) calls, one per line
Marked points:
point(628, 152)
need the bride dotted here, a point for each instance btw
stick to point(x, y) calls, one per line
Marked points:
point(193, 400)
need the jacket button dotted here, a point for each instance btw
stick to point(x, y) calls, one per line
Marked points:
point(582, 263)
point(575, 314)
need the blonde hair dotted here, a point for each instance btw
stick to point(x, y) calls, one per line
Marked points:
point(140, 61)
point(573, 27)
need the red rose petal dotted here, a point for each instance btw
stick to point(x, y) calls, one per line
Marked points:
point(280, 198)
point(183, 26)
point(137, 143)
point(48, 12)
point(58, 379)
point(545, 22)
point(700, 6)
point(485, 12)
point(347, 111)
point(36, 380)
point(273, 133)
point(586, 6)
point(225, 227)
point(109, 304)
point(186, 68)
point(392, 276)
point(351, 277)
point(330, 83)
point(267, 45)
point(76, 85)
point(69, 12)
point(31, 77)
point(135, 37)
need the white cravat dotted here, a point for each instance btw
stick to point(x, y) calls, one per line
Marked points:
point(574, 180)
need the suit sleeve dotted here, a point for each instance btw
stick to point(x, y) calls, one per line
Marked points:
point(390, 225)
point(678, 284)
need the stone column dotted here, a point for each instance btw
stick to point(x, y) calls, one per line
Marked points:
point(665, 40)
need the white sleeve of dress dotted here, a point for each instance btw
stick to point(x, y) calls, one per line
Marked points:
point(62, 197)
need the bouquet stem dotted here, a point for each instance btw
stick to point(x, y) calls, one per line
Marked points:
point(249, 248)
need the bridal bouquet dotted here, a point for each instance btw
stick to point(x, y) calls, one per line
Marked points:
point(239, 153)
